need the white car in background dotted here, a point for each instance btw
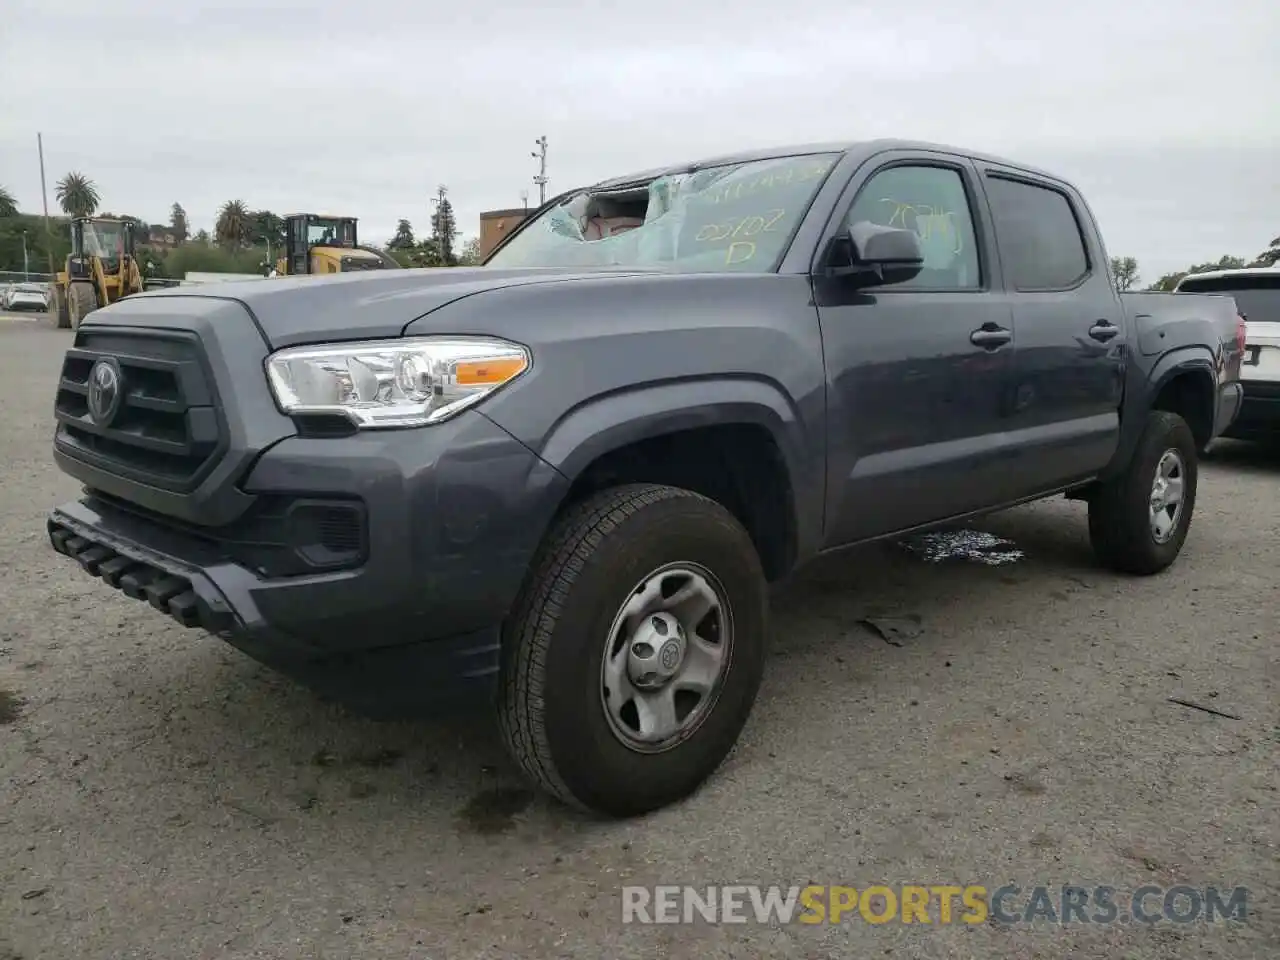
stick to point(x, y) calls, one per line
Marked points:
point(25, 296)
point(1257, 294)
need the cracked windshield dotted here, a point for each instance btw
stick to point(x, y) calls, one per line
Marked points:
point(737, 217)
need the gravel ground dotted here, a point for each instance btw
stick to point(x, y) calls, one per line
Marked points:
point(162, 796)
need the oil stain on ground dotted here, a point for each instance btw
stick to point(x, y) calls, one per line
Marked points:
point(494, 811)
point(10, 707)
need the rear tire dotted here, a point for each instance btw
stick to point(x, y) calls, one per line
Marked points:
point(82, 300)
point(557, 720)
point(1125, 525)
point(58, 307)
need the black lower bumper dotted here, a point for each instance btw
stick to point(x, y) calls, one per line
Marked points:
point(381, 681)
point(182, 593)
point(1259, 416)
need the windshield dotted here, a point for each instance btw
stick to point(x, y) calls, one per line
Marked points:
point(331, 233)
point(1257, 297)
point(739, 217)
point(103, 239)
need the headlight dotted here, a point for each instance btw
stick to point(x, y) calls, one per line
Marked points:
point(394, 383)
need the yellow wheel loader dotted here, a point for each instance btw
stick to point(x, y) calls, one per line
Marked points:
point(317, 244)
point(100, 269)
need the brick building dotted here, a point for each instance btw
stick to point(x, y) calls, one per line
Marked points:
point(496, 224)
point(162, 237)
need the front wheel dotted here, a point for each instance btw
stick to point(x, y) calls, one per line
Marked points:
point(82, 300)
point(635, 653)
point(1139, 520)
point(58, 307)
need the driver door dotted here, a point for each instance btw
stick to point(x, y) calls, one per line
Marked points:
point(918, 372)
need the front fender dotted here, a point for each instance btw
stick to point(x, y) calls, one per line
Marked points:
point(611, 421)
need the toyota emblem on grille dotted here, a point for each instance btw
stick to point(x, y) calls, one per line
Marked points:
point(104, 391)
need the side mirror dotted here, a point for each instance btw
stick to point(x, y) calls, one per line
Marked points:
point(872, 254)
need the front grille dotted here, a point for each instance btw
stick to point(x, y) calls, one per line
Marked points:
point(167, 431)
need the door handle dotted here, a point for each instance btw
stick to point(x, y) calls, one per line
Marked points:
point(1103, 330)
point(989, 336)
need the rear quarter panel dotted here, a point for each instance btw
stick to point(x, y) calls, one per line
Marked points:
point(1171, 335)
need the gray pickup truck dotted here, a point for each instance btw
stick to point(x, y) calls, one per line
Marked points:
point(562, 482)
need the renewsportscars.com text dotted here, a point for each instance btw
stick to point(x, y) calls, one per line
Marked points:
point(935, 904)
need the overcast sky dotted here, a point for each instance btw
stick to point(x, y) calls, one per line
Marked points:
point(1163, 112)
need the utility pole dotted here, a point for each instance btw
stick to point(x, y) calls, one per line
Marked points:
point(26, 266)
point(44, 196)
point(541, 179)
point(440, 226)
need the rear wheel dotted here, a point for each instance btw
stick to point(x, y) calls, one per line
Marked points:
point(1139, 520)
point(635, 653)
point(58, 307)
point(82, 300)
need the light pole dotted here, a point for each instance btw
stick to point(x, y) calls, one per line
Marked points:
point(541, 179)
point(44, 196)
point(26, 267)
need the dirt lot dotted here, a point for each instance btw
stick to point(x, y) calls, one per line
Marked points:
point(161, 796)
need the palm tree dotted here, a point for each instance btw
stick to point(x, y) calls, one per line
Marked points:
point(8, 206)
point(77, 195)
point(234, 226)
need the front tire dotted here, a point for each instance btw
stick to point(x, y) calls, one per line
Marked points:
point(613, 567)
point(58, 307)
point(82, 300)
point(1139, 520)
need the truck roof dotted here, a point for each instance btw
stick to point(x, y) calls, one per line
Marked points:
point(1241, 272)
point(865, 147)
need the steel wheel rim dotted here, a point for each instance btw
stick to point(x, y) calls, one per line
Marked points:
point(654, 699)
point(1168, 496)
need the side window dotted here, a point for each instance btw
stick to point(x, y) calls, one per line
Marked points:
point(933, 202)
point(1039, 235)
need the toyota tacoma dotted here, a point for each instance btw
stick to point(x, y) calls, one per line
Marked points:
point(561, 482)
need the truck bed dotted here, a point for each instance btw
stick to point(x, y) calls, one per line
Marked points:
point(1163, 319)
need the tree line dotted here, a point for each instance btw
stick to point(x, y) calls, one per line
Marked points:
point(243, 240)
point(1128, 275)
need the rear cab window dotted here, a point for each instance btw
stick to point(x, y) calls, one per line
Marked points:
point(1257, 295)
point(1042, 246)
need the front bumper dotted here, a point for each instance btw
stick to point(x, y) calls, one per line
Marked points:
point(1259, 417)
point(453, 517)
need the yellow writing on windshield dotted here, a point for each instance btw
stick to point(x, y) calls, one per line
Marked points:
point(740, 227)
point(931, 223)
point(772, 180)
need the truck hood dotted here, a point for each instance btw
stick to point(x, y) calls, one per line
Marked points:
point(291, 311)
